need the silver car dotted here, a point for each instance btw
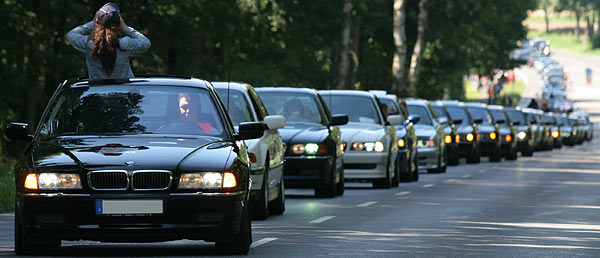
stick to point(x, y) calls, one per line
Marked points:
point(430, 136)
point(371, 149)
point(266, 153)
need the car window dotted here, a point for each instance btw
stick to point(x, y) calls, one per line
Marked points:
point(237, 105)
point(359, 109)
point(391, 107)
point(107, 110)
point(259, 106)
point(516, 116)
point(480, 113)
point(295, 107)
point(498, 115)
point(422, 112)
point(440, 112)
point(457, 112)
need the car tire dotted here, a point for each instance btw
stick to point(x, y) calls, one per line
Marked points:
point(260, 210)
point(439, 168)
point(528, 152)
point(329, 189)
point(415, 168)
point(396, 177)
point(277, 206)
point(453, 160)
point(512, 155)
point(410, 171)
point(472, 158)
point(240, 244)
point(341, 186)
point(387, 181)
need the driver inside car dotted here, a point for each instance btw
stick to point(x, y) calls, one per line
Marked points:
point(188, 110)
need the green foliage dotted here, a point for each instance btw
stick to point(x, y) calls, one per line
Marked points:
point(7, 189)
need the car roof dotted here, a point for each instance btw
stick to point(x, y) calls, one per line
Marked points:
point(412, 101)
point(497, 107)
point(348, 92)
point(158, 80)
point(450, 103)
point(475, 104)
point(285, 89)
point(232, 85)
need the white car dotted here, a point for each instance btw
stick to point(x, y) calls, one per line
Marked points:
point(370, 140)
point(266, 153)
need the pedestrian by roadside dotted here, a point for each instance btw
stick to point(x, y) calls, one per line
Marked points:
point(108, 43)
point(588, 75)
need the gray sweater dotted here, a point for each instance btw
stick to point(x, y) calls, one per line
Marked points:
point(132, 44)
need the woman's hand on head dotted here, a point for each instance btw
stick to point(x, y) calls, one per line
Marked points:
point(122, 26)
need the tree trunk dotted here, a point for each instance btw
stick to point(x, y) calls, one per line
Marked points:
point(577, 17)
point(345, 50)
point(589, 27)
point(399, 63)
point(417, 55)
point(546, 20)
point(353, 67)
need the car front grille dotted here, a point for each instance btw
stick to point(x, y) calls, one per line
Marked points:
point(108, 180)
point(151, 180)
point(120, 180)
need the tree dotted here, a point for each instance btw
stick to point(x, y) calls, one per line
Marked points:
point(399, 33)
point(345, 46)
point(417, 55)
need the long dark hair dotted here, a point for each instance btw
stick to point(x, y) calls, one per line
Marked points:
point(106, 43)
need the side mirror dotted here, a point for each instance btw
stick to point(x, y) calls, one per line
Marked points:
point(457, 121)
point(18, 131)
point(443, 120)
point(414, 119)
point(250, 130)
point(478, 121)
point(275, 122)
point(338, 119)
point(395, 119)
point(516, 122)
point(500, 121)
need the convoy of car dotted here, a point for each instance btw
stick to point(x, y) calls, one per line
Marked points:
point(167, 157)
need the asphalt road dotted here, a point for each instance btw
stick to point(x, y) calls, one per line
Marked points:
point(542, 206)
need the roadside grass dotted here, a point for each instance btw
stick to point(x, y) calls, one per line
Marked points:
point(566, 41)
point(7, 188)
point(513, 90)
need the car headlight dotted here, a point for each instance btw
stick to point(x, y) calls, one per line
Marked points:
point(207, 180)
point(308, 148)
point(470, 137)
point(493, 136)
point(448, 139)
point(368, 146)
point(555, 134)
point(52, 181)
point(522, 135)
point(401, 143)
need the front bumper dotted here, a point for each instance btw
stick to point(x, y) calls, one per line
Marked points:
point(196, 216)
point(428, 158)
point(307, 171)
point(365, 165)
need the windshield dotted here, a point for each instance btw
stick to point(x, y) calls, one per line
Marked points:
point(457, 113)
point(359, 109)
point(109, 110)
point(422, 112)
point(480, 113)
point(516, 116)
point(237, 106)
point(295, 107)
point(498, 115)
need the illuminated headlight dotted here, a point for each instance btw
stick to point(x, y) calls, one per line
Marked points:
point(368, 146)
point(205, 180)
point(555, 134)
point(470, 137)
point(522, 135)
point(309, 148)
point(448, 139)
point(401, 143)
point(54, 181)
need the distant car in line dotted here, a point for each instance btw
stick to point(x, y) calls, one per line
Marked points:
point(467, 129)
point(525, 133)
point(266, 153)
point(451, 137)
point(430, 137)
point(488, 130)
point(371, 142)
point(314, 150)
point(508, 132)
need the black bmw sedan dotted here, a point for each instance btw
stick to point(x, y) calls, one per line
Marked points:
point(133, 160)
point(314, 150)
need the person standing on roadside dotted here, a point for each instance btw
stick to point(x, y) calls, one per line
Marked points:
point(588, 75)
point(108, 43)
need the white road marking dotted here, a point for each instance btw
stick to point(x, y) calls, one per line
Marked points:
point(450, 180)
point(428, 185)
point(262, 242)
point(402, 193)
point(467, 176)
point(366, 204)
point(322, 219)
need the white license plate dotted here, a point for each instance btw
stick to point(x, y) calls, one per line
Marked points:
point(129, 207)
